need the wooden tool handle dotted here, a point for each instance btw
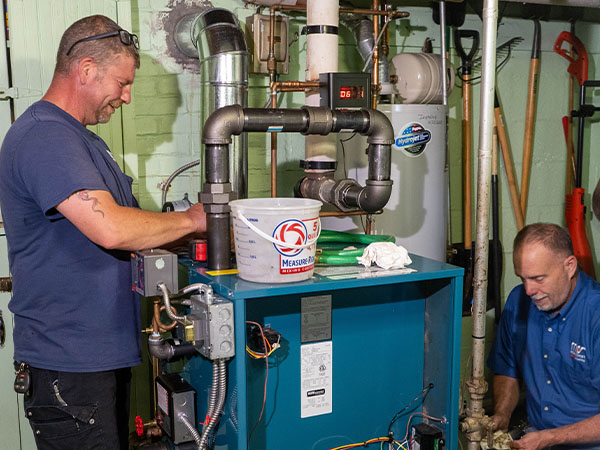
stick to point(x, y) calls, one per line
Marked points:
point(529, 127)
point(508, 167)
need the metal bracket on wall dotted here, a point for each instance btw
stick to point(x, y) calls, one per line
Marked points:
point(7, 93)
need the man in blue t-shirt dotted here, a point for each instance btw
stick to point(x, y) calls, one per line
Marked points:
point(71, 219)
point(549, 337)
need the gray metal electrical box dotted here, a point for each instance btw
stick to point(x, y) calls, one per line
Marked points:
point(174, 397)
point(150, 267)
point(258, 25)
point(214, 332)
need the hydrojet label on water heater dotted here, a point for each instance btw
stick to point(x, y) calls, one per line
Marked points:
point(296, 232)
point(413, 138)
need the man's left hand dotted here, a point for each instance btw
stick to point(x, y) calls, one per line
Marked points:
point(536, 440)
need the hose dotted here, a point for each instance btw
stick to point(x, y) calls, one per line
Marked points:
point(331, 246)
point(167, 302)
point(191, 428)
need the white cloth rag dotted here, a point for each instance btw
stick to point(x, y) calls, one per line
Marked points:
point(386, 255)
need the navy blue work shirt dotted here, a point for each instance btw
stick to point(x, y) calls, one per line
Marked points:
point(557, 355)
point(74, 309)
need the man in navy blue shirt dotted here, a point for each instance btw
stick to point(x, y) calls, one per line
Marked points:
point(549, 337)
point(71, 219)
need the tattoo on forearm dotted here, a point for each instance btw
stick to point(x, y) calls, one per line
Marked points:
point(85, 196)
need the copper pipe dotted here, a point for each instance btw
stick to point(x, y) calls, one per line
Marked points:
point(157, 325)
point(271, 63)
point(342, 213)
point(293, 86)
point(273, 149)
point(375, 71)
point(371, 12)
point(376, 12)
point(272, 67)
point(368, 224)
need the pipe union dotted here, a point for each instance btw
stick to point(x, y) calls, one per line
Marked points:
point(320, 120)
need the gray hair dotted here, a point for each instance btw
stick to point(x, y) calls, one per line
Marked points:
point(551, 236)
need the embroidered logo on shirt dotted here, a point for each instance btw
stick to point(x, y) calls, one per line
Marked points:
point(577, 352)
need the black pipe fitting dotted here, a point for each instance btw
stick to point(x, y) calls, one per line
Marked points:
point(168, 350)
point(345, 194)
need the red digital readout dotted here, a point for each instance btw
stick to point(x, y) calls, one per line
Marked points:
point(351, 92)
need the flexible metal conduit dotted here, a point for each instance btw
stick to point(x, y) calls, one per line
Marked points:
point(216, 402)
point(345, 194)
point(191, 428)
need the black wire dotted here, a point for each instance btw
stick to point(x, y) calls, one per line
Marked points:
point(423, 394)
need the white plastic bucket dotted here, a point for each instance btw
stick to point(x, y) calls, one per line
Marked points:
point(275, 238)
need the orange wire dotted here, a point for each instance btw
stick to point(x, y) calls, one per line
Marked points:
point(266, 378)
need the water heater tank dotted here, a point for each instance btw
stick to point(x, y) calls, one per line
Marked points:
point(416, 213)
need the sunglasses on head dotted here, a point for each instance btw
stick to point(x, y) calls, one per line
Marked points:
point(126, 39)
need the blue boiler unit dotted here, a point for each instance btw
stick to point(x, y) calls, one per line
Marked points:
point(355, 350)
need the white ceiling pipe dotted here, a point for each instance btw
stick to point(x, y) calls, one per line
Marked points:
point(321, 57)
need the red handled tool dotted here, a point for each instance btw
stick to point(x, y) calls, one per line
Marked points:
point(574, 203)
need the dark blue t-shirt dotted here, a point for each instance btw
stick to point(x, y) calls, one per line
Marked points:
point(557, 355)
point(72, 299)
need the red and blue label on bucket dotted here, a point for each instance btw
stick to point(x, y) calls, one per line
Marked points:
point(301, 257)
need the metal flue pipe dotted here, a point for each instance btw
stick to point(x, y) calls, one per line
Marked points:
point(346, 194)
point(476, 421)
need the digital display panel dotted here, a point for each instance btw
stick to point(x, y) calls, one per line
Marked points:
point(340, 90)
point(352, 92)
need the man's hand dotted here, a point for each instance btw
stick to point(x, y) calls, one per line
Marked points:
point(196, 212)
point(500, 421)
point(536, 440)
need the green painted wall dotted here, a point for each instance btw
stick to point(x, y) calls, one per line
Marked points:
point(166, 126)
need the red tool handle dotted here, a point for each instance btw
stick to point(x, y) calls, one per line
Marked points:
point(574, 214)
point(578, 66)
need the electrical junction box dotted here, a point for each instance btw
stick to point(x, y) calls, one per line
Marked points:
point(151, 267)
point(174, 397)
point(426, 437)
point(212, 318)
point(258, 24)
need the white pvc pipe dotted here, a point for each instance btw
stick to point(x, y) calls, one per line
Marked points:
point(321, 57)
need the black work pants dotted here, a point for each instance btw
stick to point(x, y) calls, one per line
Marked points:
point(79, 411)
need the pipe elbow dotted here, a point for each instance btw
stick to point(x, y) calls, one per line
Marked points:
point(222, 124)
point(380, 130)
point(375, 195)
point(159, 348)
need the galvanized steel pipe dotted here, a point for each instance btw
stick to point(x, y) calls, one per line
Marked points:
point(480, 280)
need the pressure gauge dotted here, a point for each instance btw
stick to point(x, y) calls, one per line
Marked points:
point(345, 90)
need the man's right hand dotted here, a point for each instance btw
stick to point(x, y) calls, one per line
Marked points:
point(500, 422)
point(196, 212)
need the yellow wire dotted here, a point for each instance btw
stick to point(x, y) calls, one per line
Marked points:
point(360, 444)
